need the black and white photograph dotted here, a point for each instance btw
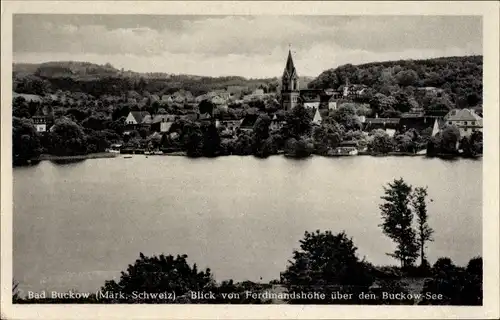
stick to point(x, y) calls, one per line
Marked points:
point(224, 158)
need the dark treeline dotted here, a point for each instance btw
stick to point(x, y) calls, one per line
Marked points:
point(98, 80)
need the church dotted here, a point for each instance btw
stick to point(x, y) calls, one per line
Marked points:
point(292, 95)
point(290, 90)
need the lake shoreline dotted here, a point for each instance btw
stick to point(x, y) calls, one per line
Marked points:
point(104, 155)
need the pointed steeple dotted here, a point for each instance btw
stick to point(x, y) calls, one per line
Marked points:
point(289, 68)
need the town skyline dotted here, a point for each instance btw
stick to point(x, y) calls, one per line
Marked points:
point(205, 46)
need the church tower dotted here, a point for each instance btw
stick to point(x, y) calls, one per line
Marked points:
point(290, 85)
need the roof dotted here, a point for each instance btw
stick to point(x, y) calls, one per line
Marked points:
point(380, 123)
point(39, 113)
point(418, 123)
point(278, 117)
point(462, 115)
point(139, 115)
point(382, 120)
point(27, 97)
point(164, 117)
point(189, 116)
point(317, 116)
point(290, 70)
point(147, 119)
point(249, 121)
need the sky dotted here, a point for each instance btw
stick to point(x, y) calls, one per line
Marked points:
point(248, 46)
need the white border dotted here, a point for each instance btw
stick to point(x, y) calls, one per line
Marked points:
point(490, 13)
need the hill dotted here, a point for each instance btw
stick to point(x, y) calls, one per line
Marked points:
point(460, 78)
point(98, 80)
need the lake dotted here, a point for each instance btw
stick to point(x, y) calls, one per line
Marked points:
point(77, 225)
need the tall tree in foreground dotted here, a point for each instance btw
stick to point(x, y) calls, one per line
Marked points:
point(424, 230)
point(397, 221)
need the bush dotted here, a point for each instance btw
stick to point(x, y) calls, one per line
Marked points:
point(159, 274)
point(458, 286)
point(327, 263)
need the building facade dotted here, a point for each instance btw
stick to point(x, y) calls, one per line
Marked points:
point(466, 120)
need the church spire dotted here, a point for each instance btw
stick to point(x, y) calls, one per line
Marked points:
point(289, 68)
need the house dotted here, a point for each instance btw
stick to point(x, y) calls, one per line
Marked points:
point(466, 120)
point(229, 123)
point(162, 122)
point(310, 101)
point(218, 100)
point(352, 90)
point(136, 119)
point(248, 122)
point(40, 121)
point(235, 90)
point(178, 97)
point(330, 101)
point(277, 121)
point(167, 98)
point(258, 93)
point(43, 119)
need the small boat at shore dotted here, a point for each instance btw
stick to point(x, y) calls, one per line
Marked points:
point(127, 157)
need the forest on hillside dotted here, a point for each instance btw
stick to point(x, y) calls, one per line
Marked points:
point(459, 78)
point(98, 80)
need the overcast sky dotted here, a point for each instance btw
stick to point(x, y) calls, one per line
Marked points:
point(249, 46)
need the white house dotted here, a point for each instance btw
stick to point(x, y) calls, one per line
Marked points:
point(466, 120)
point(136, 118)
point(40, 123)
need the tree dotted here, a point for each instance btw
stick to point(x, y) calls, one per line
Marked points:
point(424, 230)
point(211, 140)
point(298, 122)
point(193, 140)
point(402, 102)
point(448, 138)
point(301, 148)
point(206, 106)
point(327, 263)
point(381, 142)
point(456, 285)
point(261, 134)
point(346, 117)
point(397, 221)
point(25, 141)
point(326, 137)
point(20, 108)
point(67, 138)
point(406, 77)
point(405, 142)
point(472, 145)
point(159, 274)
point(31, 84)
point(243, 144)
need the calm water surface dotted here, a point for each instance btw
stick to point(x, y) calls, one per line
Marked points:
point(77, 225)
